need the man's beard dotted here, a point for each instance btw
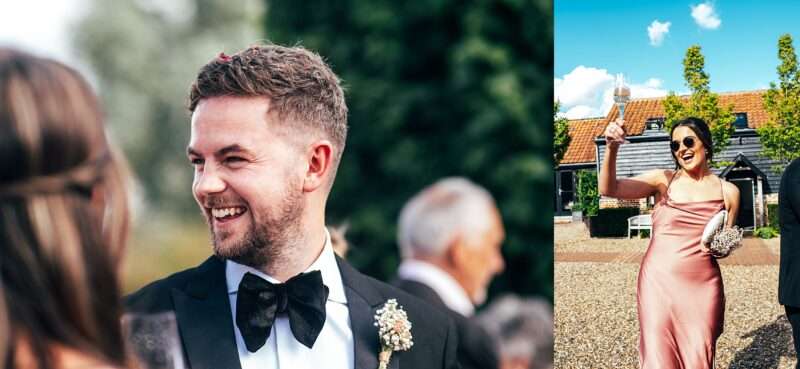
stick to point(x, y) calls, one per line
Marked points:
point(269, 237)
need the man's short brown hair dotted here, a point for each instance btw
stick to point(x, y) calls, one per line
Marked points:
point(302, 90)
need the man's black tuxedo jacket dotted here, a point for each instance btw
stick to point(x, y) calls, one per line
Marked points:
point(789, 214)
point(199, 298)
point(475, 348)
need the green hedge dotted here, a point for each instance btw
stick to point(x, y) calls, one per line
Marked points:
point(772, 219)
point(587, 196)
point(611, 222)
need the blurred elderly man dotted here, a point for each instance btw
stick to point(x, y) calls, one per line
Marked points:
point(450, 236)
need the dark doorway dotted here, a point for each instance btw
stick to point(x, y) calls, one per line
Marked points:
point(746, 217)
point(565, 192)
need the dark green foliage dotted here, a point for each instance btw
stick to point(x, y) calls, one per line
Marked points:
point(772, 216)
point(611, 222)
point(561, 138)
point(438, 88)
point(587, 196)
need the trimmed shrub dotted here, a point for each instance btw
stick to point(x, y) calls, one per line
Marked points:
point(766, 232)
point(772, 219)
point(611, 222)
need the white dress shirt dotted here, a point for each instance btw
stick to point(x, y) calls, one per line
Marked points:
point(441, 282)
point(334, 346)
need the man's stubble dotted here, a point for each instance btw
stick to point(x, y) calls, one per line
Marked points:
point(271, 234)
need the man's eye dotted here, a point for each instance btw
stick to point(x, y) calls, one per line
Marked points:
point(234, 159)
point(196, 161)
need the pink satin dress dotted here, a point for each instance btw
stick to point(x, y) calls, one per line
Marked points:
point(681, 302)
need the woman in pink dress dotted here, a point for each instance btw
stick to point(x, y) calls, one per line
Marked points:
point(681, 302)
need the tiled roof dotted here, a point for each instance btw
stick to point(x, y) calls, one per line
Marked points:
point(584, 131)
point(639, 110)
point(581, 147)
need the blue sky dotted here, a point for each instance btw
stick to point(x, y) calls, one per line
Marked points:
point(596, 39)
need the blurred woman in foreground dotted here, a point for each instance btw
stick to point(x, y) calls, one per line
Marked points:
point(63, 221)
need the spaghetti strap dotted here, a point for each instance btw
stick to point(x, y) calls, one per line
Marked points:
point(722, 192)
point(669, 184)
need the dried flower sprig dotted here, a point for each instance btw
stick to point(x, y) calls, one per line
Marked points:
point(725, 241)
point(394, 331)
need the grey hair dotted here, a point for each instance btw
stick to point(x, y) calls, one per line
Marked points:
point(450, 208)
point(521, 328)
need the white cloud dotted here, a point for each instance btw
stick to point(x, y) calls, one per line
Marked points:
point(705, 16)
point(588, 92)
point(582, 111)
point(656, 31)
point(582, 86)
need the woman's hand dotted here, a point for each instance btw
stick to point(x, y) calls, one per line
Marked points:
point(615, 133)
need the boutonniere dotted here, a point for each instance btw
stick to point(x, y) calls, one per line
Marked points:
point(394, 331)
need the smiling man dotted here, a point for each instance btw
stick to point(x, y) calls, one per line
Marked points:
point(268, 130)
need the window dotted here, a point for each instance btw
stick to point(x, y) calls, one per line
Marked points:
point(654, 123)
point(741, 121)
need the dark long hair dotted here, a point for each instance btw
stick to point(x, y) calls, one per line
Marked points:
point(700, 128)
point(63, 215)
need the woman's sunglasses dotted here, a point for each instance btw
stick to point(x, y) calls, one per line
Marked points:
point(688, 142)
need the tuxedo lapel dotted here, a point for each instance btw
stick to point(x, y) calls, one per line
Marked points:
point(204, 319)
point(362, 302)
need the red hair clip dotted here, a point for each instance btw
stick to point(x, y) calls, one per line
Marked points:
point(224, 57)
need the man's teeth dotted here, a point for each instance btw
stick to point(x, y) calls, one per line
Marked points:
point(224, 212)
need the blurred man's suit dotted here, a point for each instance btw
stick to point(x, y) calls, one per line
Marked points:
point(789, 276)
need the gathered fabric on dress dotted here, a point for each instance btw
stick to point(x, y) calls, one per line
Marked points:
point(681, 300)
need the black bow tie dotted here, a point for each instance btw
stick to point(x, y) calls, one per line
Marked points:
point(258, 302)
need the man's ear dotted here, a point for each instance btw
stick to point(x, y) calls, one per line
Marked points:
point(456, 255)
point(319, 158)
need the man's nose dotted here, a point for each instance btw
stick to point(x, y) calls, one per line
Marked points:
point(498, 263)
point(208, 182)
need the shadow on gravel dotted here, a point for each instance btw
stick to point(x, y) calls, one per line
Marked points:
point(770, 343)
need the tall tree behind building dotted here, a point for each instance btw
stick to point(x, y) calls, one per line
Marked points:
point(781, 135)
point(561, 138)
point(702, 103)
point(438, 88)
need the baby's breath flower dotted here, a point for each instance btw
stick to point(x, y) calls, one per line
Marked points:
point(725, 241)
point(394, 330)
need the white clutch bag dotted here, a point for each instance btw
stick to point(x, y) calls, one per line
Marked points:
point(714, 225)
point(721, 241)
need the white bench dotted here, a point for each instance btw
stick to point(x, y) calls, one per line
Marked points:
point(639, 223)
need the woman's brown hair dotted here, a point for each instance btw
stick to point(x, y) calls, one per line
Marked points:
point(63, 215)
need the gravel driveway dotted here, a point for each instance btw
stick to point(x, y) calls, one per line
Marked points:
point(595, 309)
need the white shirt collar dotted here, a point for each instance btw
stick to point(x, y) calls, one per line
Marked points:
point(441, 282)
point(325, 263)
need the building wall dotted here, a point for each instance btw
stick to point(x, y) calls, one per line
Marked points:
point(652, 152)
point(638, 157)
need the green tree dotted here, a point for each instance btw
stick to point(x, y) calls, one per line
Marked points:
point(561, 138)
point(702, 103)
point(780, 137)
point(438, 88)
